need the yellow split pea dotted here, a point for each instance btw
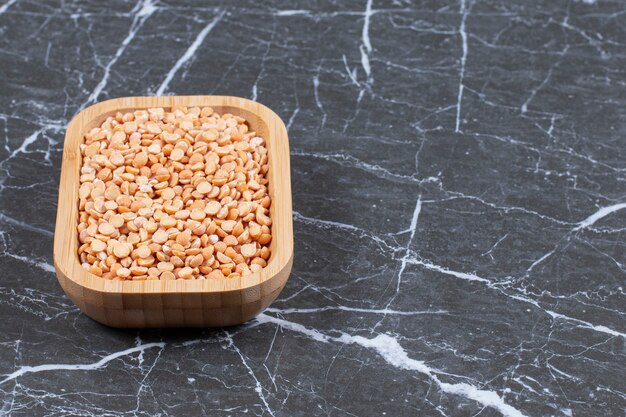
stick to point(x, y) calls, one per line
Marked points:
point(178, 194)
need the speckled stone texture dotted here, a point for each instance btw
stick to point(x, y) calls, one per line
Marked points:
point(459, 188)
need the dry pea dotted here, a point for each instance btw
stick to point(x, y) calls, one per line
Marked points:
point(106, 228)
point(165, 266)
point(167, 275)
point(143, 251)
point(117, 221)
point(121, 250)
point(185, 273)
point(178, 194)
point(204, 187)
point(98, 245)
point(160, 236)
point(213, 207)
point(248, 250)
point(123, 272)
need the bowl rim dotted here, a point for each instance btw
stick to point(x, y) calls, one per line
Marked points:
point(66, 260)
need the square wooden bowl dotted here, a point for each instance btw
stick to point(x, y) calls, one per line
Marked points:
point(176, 303)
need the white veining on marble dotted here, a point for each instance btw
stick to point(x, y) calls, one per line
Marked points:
point(533, 92)
point(389, 348)
point(39, 264)
point(473, 277)
point(394, 354)
point(565, 23)
point(292, 118)
point(292, 13)
point(351, 72)
point(261, 69)
point(258, 388)
point(6, 5)
point(383, 311)
point(407, 251)
point(446, 271)
point(366, 45)
point(495, 245)
point(140, 14)
point(29, 260)
point(38, 303)
point(583, 224)
point(26, 226)
point(189, 53)
point(27, 142)
point(540, 260)
point(349, 160)
point(329, 224)
point(23, 370)
point(299, 217)
point(316, 93)
point(503, 118)
point(464, 11)
point(600, 214)
point(585, 324)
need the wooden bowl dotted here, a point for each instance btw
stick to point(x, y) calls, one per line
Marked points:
point(176, 303)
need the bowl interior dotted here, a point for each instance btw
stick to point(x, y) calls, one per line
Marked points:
point(260, 119)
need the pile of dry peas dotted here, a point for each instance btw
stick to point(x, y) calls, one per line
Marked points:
point(178, 194)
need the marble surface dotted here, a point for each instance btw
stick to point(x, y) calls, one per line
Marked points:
point(459, 184)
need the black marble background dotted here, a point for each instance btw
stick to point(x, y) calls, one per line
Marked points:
point(459, 184)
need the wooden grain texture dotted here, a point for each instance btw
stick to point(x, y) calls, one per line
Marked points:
point(176, 303)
